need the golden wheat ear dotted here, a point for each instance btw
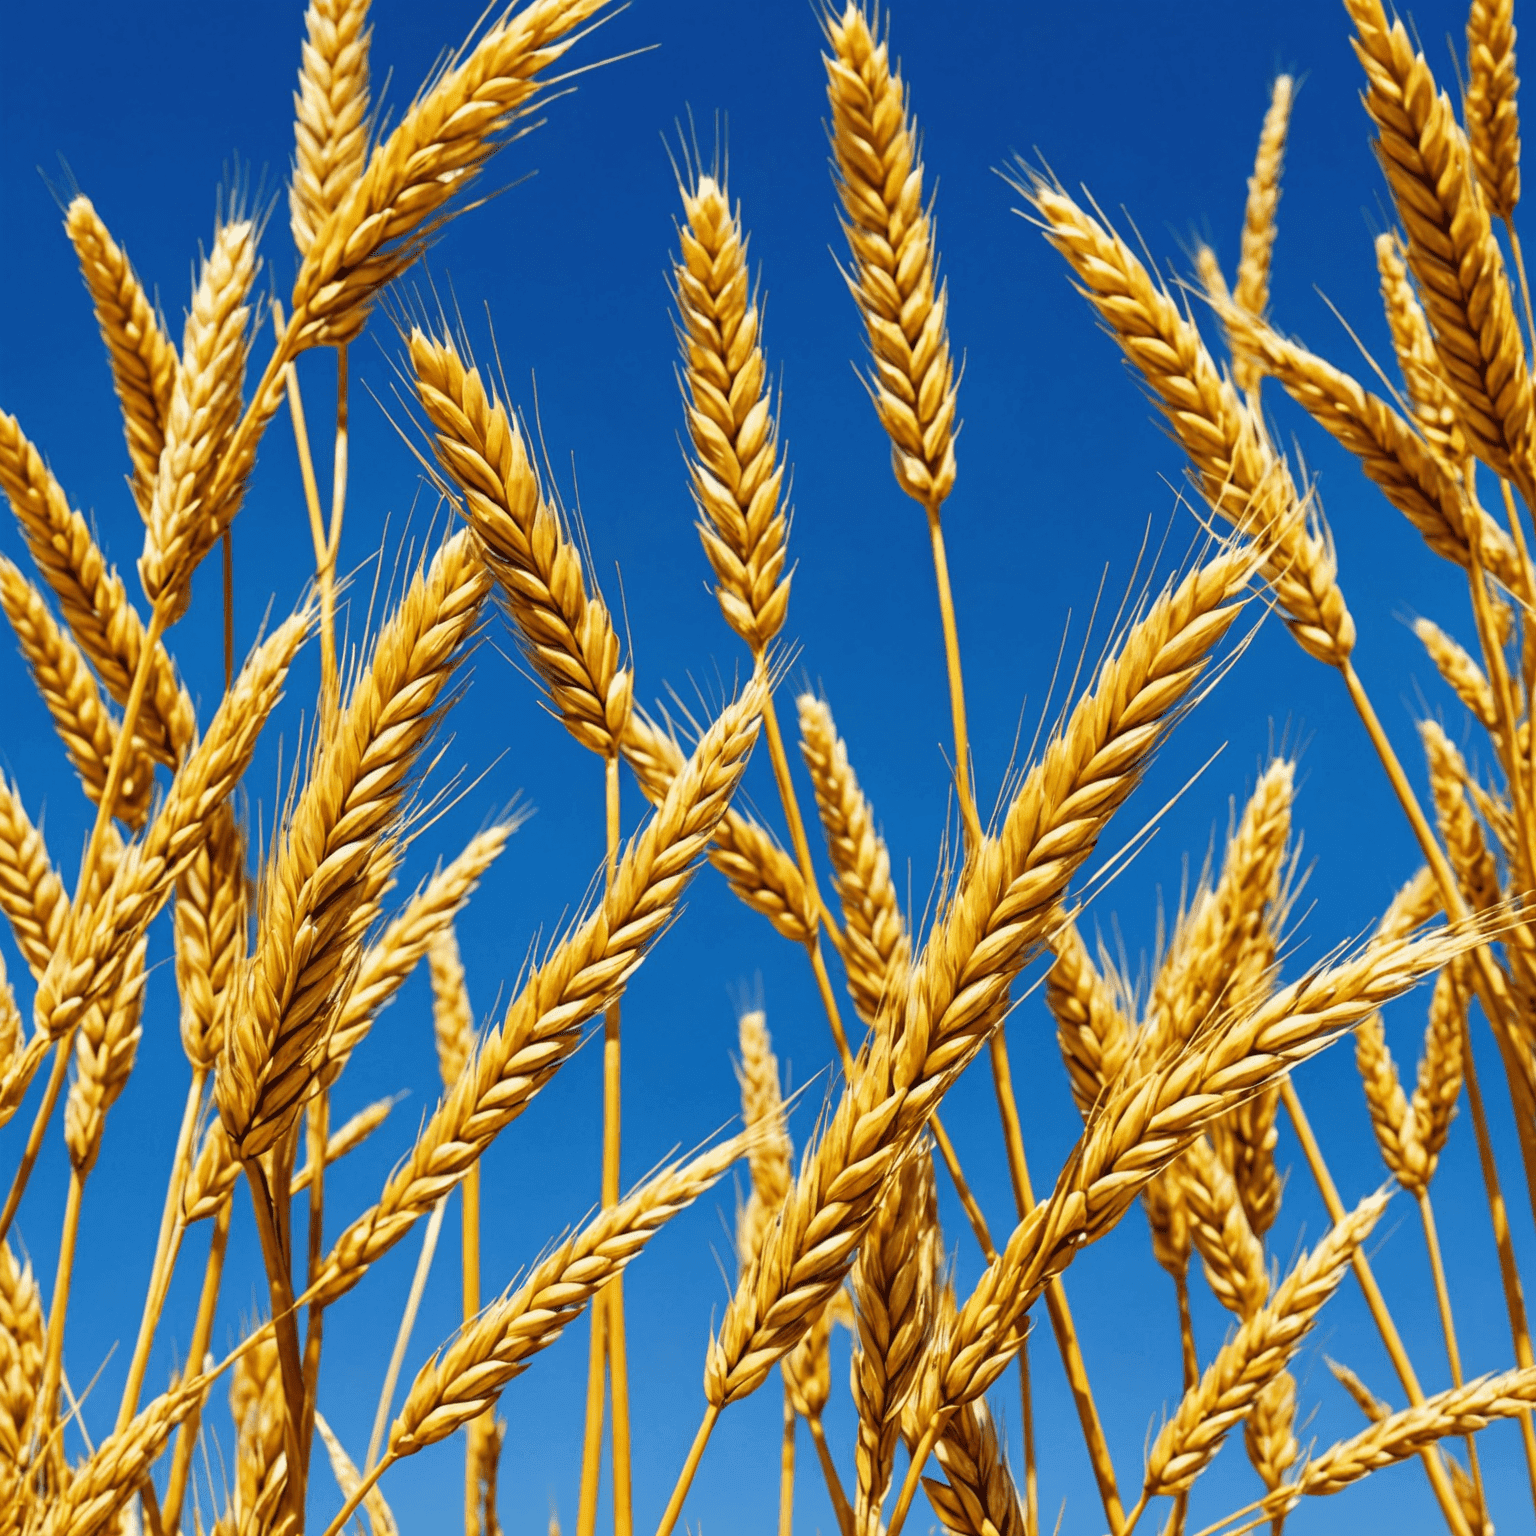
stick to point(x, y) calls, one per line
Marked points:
point(771, 1158)
point(330, 108)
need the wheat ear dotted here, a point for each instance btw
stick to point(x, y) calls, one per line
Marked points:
point(1238, 472)
point(894, 276)
point(1493, 116)
point(323, 882)
point(1452, 251)
point(104, 623)
point(143, 357)
point(978, 1496)
point(21, 1354)
point(1219, 1228)
point(453, 1019)
point(186, 514)
point(1465, 845)
point(876, 949)
point(330, 114)
point(211, 919)
point(1254, 1356)
point(1251, 291)
point(771, 1155)
point(348, 1136)
point(106, 1045)
point(1092, 1029)
point(735, 473)
point(80, 714)
point(580, 977)
point(31, 894)
point(566, 632)
point(1465, 678)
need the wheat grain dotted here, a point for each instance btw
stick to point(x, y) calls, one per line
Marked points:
point(771, 1156)
point(66, 686)
point(1460, 671)
point(324, 879)
point(875, 948)
point(582, 976)
point(261, 1467)
point(1451, 248)
point(1493, 118)
point(95, 607)
point(894, 277)
point(143, 357)
point(1441, 1067)
point(1413, 905)
point(566, 632)
point(330, 110)
point(1251, 292)
point(1254, 1356)
point(735, 474)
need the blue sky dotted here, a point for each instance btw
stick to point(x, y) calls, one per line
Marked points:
point(1064, 475)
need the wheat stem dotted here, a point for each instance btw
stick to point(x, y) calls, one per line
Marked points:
point(1525, 287)
point(690, 1467)
point(1433, 1465)
point(35, 1135)
point(920, 1454)
point(963, 785)
point(166, 1244)
point(787, 1468)
point(327, 571)
point(317, 1132)
point(592, 1427)
point(469, 1212)
point(840, 1505)
point(53, 1364)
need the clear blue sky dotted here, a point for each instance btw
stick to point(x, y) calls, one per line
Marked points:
point(153, 110)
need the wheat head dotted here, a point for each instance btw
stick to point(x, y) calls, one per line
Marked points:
point(330, 107)
point(1251, 291)
point(1493, 115)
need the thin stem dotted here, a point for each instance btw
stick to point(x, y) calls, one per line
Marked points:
point(54, 1360)
point(358, 1494)
point(1439, 1480)
point(1525, 290)
point(592, 1429)
point(1509, 1274)
point(962, 1188)
point(403, 1332)
point(202, 1334)
point(317, 1131)
point(787, 1469)
point(1447, 1323)
point(35, 1135)
point(840, 1505)
point(690, 1467)
point(956, 682)
point(469, 1211)
point(1027, 1427)
point(228, 561)
point(166, 1245)
point(1191, 1359)
point(1136, 1512)
point(327, 570)
point(920, 1454)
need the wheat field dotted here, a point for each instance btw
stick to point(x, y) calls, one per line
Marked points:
point(368, 1006)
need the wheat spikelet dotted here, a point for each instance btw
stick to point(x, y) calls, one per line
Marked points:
point(1092, 1029)
point(893, 1291)
point(1452, 251)
point(466, 1378)
point(807, 1369)
point(1234, 1257)
point(1254, 1356)
point(1238, 472)
point(381, 1519)
point(1421, 485)
point(1269, 1431)
point(978, 1496)
point(1168, 1223)
point(21, 1354)
point(142, 355)
point(391, 957)
point(453, 1020)
point(186, 516)
point(330, 109)
point(1430, 394)
point(1476, 872)
point(105, 1047)
point(441, 143)
point(959, 986)
point(566, 633)
point(1251, 292)
point(1366, 1400)
point(1413, 905)
point(349, 1136)
point(1150, 1121)
point(771, 1155)
point(1391, 1118)
point(104, 623)
point(582, 976)
point(876, 950)
point(88, 964)
point(1493, 117)
point(212, 900)
point(735, 476)
point(80, 715)
point(256, 1406)
point(31, 894)
point(894, 277)
point(758, 870)
point(1459, 1411)
point(323, 882)
point(1460, 671)
point(1441, 1066)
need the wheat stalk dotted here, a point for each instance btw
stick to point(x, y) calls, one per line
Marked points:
point(143, 357)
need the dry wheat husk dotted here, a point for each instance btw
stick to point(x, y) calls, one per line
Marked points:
point(330, 111)
point(566, 632)
point(582, 975)
point(143, 357)
point(106, 626)
point(1220, 1230)
point(1476, 872)
point(875, 949)
point(894, 274)
point(1251, 291)
point(261, 1466)
point(324, 880)
point(771, 1154)
point(1493, 116)
point(351, 1134)
point(735, 474)
point(80, 715)
point(1452, 251)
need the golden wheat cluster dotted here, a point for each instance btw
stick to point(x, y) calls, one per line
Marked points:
point(284, 961)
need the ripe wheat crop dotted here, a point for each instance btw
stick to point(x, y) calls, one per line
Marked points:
point(263, 924)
